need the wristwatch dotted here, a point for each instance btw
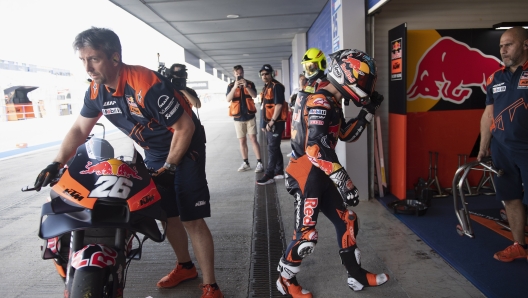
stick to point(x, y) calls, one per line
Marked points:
point(169, 166)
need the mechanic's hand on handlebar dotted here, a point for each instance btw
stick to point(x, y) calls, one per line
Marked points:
point(47, 175)
point(164, 178)
point(349, 193)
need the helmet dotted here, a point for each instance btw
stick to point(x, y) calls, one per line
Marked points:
point(313, 62)
point(353, 74)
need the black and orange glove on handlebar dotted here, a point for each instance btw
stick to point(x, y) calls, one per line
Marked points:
point(47, 175)
point(163, 177)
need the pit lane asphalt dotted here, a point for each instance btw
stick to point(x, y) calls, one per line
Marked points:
point(386, 244)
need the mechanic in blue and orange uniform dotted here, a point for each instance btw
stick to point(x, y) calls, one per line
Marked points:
point(315, 177)
point(506, 119)
point(314, 65)
point(144, 105)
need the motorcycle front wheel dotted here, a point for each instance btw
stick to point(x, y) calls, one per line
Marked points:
point(91, 282)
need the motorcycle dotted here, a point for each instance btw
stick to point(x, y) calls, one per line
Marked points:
point(97, 207)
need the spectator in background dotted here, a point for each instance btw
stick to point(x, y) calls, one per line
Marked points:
point(293, 96)
point(240, 94)
point(274, 113)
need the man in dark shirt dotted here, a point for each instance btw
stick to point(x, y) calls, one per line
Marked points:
point(145, 106)
point(274, 114)
point(240, 94)
point(178, 77)
point(506, 119)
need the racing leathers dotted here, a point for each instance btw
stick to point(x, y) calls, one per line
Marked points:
point(319, 182)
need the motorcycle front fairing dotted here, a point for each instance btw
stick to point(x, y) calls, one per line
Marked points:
point(97, 190)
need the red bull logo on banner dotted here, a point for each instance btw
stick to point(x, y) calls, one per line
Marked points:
point(111, 167)
point(448, 69)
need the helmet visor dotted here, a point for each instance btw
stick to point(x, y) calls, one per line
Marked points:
point(310, 68)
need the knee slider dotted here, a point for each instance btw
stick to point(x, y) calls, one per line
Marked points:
point(305, 245)
point(287, 270)
point(305, 248)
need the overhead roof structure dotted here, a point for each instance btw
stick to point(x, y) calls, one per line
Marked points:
point(224, 33)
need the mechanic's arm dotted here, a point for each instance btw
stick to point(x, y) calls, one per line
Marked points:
point(77, 135)
point(195, 101)
point(183, 131)
point(73, 139)
point(485, 134)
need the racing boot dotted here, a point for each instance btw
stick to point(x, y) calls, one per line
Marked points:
point(287, 282)
point(358, 278)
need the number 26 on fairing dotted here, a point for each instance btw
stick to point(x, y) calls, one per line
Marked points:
point(111, 186)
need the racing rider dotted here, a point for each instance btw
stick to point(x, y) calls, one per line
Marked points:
point(314, 64)
point(314, 175)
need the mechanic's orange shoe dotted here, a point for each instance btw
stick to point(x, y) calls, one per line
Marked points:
point(292, 287)
point(211, 292)
point(176, 276)
point(512, 252)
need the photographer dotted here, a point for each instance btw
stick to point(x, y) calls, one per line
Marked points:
point(242, 108)
point(178, 76)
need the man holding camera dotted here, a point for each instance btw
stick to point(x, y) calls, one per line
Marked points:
point(178, 77)
point(240, 94)
point(275, 112)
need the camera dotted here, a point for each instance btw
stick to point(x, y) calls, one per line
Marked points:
point(179, 83)
point(238, 78)
point(164, 71)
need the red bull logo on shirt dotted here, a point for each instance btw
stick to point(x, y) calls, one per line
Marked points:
point(448, 69)
point(111, 167)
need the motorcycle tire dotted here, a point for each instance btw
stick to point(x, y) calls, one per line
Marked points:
point(93, 283)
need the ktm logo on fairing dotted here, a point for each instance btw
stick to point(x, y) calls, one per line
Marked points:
point(73, 193)
point(146, 199)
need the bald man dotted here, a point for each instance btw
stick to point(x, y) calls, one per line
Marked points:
point(506, 119)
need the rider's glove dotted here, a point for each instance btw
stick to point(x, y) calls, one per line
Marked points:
point(47, 175)
point(368, 111)
point(375, 102)
point(164, 178)
point(349, 193)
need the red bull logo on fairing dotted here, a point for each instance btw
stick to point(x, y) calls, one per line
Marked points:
point(448, 69)
point(112, 167)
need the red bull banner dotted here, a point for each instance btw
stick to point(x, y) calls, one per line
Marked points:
point(446, 94)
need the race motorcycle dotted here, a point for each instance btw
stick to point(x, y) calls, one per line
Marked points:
point(97, 207)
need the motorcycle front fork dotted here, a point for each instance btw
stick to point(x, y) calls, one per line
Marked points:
point(118, 271)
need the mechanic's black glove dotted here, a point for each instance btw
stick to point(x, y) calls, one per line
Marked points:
point(47, 175)
point(375, 102)
point(164, 178)
point(349, 193)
